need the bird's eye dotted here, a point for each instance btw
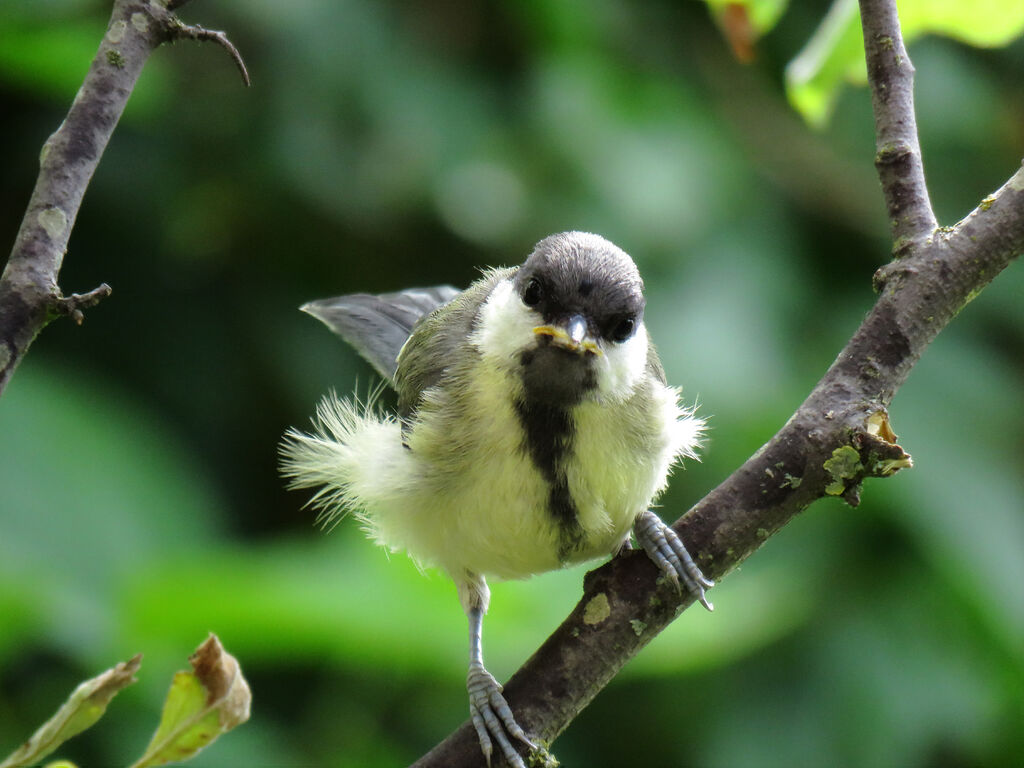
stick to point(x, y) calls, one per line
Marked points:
point(533, 293)
point(623, 329)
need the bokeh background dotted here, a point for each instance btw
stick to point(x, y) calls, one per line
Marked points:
point(386, 144)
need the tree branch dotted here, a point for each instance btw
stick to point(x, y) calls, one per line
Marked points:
point(898, 157)
point(839, 436)
point(29, 295)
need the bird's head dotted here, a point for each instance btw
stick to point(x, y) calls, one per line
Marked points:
point(571, 320)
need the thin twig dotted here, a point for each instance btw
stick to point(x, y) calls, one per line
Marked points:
point(195, 32)
point(73, 305)
point(898, 157)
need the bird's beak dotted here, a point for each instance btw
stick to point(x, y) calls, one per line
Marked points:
point(572, 336)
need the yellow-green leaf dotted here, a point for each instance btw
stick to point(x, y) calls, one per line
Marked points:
point(743, 22)
point(835, 53)
point(84, 706)
point(981, 23)
point(830, 57)
point(201, 705)
point(763, 14)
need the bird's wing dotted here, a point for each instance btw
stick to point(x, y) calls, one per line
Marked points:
point(378, 326)
point(440, 342)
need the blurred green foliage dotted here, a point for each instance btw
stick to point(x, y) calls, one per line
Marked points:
point(834, 54)
point(387, 144)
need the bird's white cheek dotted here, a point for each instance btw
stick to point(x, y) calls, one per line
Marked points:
point(620, 367)
point(506, 325)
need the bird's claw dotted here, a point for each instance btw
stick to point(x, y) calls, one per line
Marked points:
point(492, 717)
point(667, 551)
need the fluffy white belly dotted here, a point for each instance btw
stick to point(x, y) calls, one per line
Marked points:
point(465, 495)
point(480, 504)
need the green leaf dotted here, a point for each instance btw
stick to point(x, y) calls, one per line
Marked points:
point(84, 707)
point(201, 705)
point(744, 22)
point(981, 23)
point(762, 14)
point(835, 52)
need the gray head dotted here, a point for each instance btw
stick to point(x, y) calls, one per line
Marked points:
point(580, 275)
point(569, 322)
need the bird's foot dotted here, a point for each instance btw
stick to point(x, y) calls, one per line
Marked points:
point(665, 548)
point(492, 716)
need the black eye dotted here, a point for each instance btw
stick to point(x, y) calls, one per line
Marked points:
point(533, 293)
point(623, 329)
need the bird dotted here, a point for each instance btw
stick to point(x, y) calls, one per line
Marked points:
point(534, 430)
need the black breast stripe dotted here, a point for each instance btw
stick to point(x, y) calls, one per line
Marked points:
point(548, 432)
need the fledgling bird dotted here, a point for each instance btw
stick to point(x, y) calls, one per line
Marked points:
point(535, 428)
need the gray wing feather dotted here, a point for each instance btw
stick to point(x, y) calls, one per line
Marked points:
point(378, 326)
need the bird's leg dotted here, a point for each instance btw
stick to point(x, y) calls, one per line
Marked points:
point(491, 715)
point(664, 547)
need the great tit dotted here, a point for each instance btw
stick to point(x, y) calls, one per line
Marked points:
point(534, 430)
